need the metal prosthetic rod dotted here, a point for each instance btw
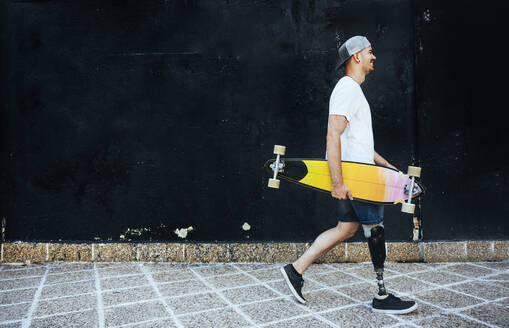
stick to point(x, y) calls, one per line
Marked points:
point(380, 282)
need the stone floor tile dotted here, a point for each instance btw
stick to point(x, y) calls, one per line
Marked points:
point(194, 265)
point(424, 310)
point(345, 266)
point(19, 273)
point(267, 274)
point(438, 265)
point(122, 282)
point(358, 316)
point(165, 267)
point(448, 299)
point(195, 303)
point(56, 278)
point(437, 277)
point(230, 281)
point(447, 320)
point(333, 279)
point(157, 323)
point(215, 270)
point(69, 267)
point(319, 268)
point(121, 315)
point(367, 272)
point(504, 302)
point(17, 296)
point(11, 325)
point(65, 304)
point(265, 312)
point(503, 284)
point(67, 289)
point(179, 288)
point(404, 284)
point(257, 266)
point(167, 276)
point(498, 277)
point(490, 313)
point(14, 312)
point(282, 287)
point(486, 290)
point(116, 297)
point(20, 283)
point(302, 322)
point(102, 265)
point(329, 288)
point(223, 318)
point(14, 266)
point(119, 270)
point(502, 266)
point(362, 291)
point(406, 267)
point(469, 270)
point(321, 300)
point(83, 319)
point(249, 294)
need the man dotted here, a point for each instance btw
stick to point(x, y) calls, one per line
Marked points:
point(350, 138)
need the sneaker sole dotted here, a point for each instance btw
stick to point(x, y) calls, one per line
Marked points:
point(403, 311)
point(294, 292)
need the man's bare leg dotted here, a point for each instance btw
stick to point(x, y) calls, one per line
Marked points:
point(325, 242)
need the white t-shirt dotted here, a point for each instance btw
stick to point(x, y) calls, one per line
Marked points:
point(357, 143)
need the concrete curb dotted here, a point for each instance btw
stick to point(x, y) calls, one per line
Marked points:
point(457, 251)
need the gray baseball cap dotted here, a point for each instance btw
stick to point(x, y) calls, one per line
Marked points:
point(351, 46)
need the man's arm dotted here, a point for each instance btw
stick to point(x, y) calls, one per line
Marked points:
point(379, 160)
point(337, 125)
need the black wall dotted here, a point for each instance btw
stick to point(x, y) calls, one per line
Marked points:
point(135, 118)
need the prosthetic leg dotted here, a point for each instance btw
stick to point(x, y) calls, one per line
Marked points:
point(383, 302)
point(376, 243)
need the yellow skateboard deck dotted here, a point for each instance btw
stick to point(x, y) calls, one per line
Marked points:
point(367, 182)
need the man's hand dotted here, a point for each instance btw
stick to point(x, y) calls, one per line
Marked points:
point(341, 191)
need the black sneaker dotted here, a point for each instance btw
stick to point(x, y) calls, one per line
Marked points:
point(393, 305)
point(294, 281)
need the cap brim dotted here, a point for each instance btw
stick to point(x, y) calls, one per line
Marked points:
point(340, 64)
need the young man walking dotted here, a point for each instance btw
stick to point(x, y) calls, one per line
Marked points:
point(350, 138)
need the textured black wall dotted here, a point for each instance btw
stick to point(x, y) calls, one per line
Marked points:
point(134, 118)
point(462, 129)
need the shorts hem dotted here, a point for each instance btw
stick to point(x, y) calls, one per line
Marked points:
point(361, 221)
point(348, 220)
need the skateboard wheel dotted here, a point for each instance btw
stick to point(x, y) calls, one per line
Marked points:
point(274, 183)
point(414, 171)
point(279, 150)
point(408, 208)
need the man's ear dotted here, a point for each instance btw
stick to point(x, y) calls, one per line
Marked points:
point(356, 57)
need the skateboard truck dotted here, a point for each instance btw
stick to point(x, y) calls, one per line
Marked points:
point(413, 172)
point(278, 150)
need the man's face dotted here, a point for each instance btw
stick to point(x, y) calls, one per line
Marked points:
point(367, 59)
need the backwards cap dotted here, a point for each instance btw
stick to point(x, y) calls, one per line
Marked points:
point(351, 46)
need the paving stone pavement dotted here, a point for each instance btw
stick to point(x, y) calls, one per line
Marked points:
point(248, 295)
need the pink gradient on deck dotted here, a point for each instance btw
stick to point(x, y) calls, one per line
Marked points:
point(396, 183)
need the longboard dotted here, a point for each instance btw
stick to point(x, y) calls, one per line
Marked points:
point(367, 182)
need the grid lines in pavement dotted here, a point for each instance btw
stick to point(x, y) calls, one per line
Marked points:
point(29, 294)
